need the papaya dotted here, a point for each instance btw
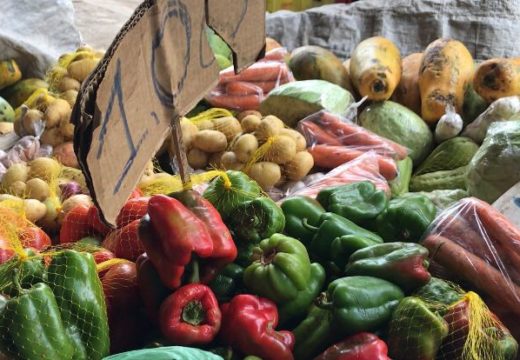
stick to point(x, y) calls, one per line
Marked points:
point(407, 92)
point(497, 78)
point(375, 68)
point(316, 63)
point(9, 73)
point(17, 94)
point(6, 111)
point(446, 70)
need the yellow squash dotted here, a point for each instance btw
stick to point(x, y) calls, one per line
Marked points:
point(407, 92)
point(375, 68)
point(497, 78)
point(446, 69)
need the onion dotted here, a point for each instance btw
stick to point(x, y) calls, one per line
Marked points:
point(69, 189)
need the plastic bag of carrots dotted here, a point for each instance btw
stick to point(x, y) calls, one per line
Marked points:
point(473, 244)
point(365, 167)
point(334, 140)
point(246, 90)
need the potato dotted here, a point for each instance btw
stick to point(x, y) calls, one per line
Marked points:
point(274, 120)
point(68, 83)
point(81, 69)
point(149, 170)
point(189, 130)
point(34, 210)
point(6, 127)
point(70, 96)
point(205, 125)
point(197, 159)
point(56, 112)
point(246, 113)
point(215, 160)
point(268, 128)
point(67, 129)
point(299, 139)
point(299, 166)
point(282, 150)
point(229, 126)
point(44, 168)
point(64, 153)
point(50, 221)
point(18, 188)
point(52, 137)
point(245, 147)
point(9, 197)
point(210, 141)
point(16, 172)
point(230, 162)
point(73, 201)
point(266, 174)
point(250, 123)
point(29, 119)
point(37, 189)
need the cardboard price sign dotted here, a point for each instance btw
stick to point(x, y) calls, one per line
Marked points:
point(159, 66)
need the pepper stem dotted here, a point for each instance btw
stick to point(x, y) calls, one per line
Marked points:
point(193, 313)
point(16, 281)
point(192, 273)
point(308, 226)
point(323, 302)
point(268, 257)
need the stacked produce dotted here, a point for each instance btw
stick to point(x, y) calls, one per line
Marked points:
point(314, 226)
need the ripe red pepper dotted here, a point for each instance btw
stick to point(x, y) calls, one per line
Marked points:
point(190, 316)
point(96, 224)
point(248, 324)
point(172, 235)
point(75, 225)
point(362, 346)
point(152, 290)
point(136, 193)
point(133, 209)
point(124, 242)
point(224, 248)
point(34, 237)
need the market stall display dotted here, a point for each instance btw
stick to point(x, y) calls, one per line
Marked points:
point(334, 210)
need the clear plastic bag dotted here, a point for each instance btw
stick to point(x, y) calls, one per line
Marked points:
point(334, 141)
point(475, 245)
point(245, 91)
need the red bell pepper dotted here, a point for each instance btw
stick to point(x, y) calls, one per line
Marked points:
point(190, 316)
point(224, 248)
point(103, 255)
point(362, 346)
point(123, 302)
point(172, 235)
point(75, 225)
point(95, 223)
point(133, 209)
point(152, 290)
point(124, 242)
point(136, 193)
point(35, 238)
point(248, 324)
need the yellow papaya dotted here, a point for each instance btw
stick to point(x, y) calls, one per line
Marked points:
point(497, 78)
point(18, 93)
point(9, 73)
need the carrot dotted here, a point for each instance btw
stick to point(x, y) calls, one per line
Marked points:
point(329, 157)
point(260, 71)
point(248, 102)
point(314, 134)
point(351, 134)
point(276, 54)
point(241, 88)
point(474, 270)
point(267, 86)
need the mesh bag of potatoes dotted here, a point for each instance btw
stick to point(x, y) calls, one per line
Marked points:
point(261, 146)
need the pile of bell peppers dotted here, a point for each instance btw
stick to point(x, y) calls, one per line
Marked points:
point(232, 273)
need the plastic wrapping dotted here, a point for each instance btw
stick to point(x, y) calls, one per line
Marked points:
point(334, 140)
point(245, 91)
point(363, 168)
point(449, 125)
point(473, 244)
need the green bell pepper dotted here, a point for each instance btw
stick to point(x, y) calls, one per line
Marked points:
point(298, 211)
point(29, 271)
point(32, 326)
point(330, 227)
point(344, 246)
point(293, 311)
point(404, 264)
point(360, 303)
point(439, 291)
point(280, 270)
point(359, 202)
point(73, 278)
point(415, 331)
point(503, 344)
point(245, 251)
point(228, 282)
point(406, 219)
point(229, 191)
point(314, 334)
point(256, 220)
point(400, 185)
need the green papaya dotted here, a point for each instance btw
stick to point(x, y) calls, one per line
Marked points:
point(6, 111)
point(16, 94)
